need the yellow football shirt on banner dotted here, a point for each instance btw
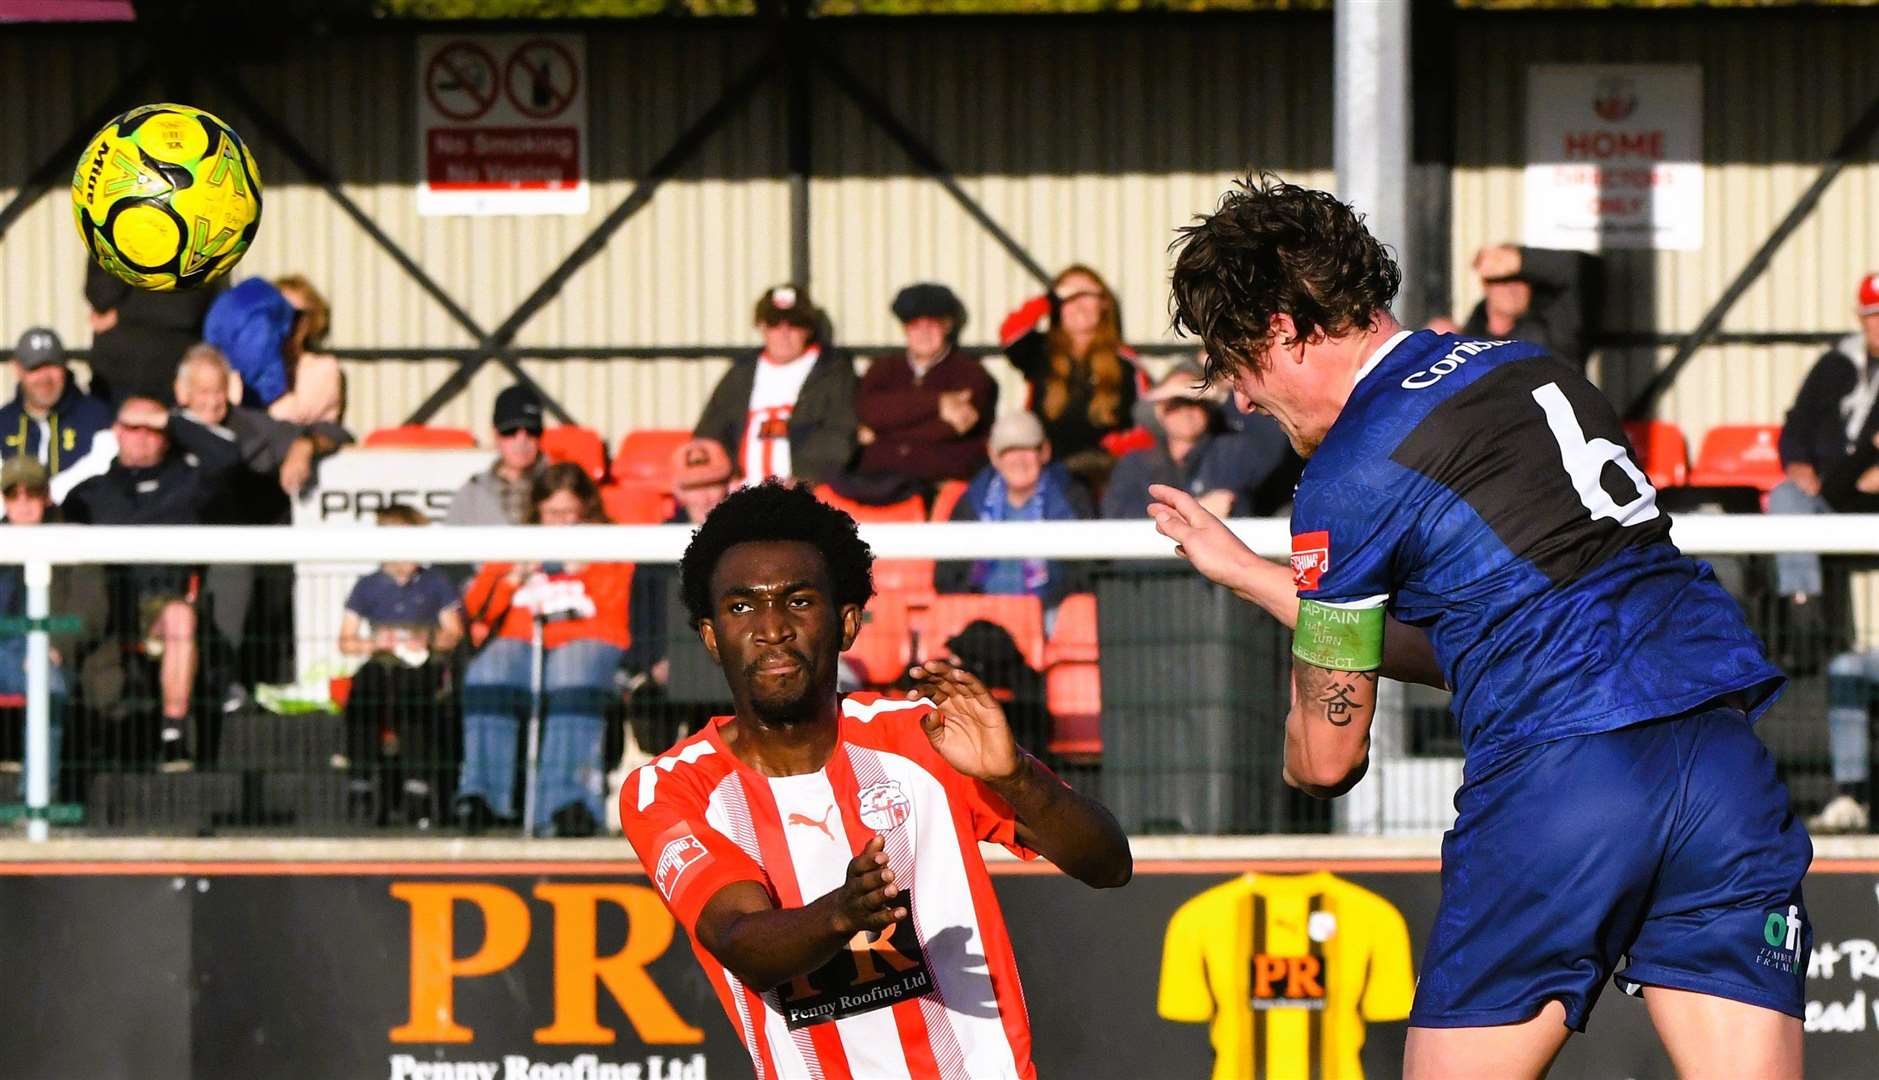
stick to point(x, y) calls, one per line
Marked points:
point(1287, 968)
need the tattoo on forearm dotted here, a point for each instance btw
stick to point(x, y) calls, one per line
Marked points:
point(1337, 696)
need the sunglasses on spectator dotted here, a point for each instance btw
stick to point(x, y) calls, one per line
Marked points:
point(510, 433)
point(21, 491)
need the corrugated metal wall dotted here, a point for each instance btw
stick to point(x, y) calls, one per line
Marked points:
point(1779, 91)
point(1085, 142)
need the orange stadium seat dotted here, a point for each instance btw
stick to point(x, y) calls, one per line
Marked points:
point(645, 456)
point(884, 647)
point(1739, 455)
point(909, 579)
point(1073, 639)
point(636, 504)
point(420, 436)
point(910, 510)
point(949, 613)
point(1662, 451)
point(578, 446)
point(1073, 692)
point(947, 497)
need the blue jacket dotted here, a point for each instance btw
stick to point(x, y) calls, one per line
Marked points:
point(250, 323)
point(74, 420)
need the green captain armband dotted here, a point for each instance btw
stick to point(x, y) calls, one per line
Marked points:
point(1338, 637)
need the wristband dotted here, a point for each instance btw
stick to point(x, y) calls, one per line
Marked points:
point(1339, 638)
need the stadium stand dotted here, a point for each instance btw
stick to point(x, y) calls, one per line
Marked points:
point(579, 445)
point(419, 436)
point(1662, 452)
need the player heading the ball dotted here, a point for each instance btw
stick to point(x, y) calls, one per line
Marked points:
point(823, 850)
point(1470, 517)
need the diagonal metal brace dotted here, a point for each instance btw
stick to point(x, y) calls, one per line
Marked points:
point(59, 164)
point(668, 165)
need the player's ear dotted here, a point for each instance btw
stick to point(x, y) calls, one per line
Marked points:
point(852, 615)
point(708, 634)
point(1281, 331)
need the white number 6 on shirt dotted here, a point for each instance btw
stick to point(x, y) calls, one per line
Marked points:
point(1585, 459)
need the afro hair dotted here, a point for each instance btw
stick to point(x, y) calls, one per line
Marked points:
point(772, 512)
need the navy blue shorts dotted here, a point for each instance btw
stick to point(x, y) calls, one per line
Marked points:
point(1663, 854)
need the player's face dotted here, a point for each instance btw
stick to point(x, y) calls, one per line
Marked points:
point(776, 630)
point(1282, 390)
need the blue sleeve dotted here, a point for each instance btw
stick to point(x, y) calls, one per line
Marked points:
point(1345, 542)
point(360, 598)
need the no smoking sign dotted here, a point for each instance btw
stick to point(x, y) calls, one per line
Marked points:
point(502, 124)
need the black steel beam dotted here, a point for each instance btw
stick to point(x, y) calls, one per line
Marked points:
point(1851, 143)
point(57, 167)
point(877, 111)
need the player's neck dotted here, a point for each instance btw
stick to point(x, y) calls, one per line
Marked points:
point(790, 748)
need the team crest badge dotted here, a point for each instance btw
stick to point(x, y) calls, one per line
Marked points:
point(884, 806)
point(1322, 926)
point(1311, 557)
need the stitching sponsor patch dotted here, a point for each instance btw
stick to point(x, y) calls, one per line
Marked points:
point(1311, 557)
point(677, 857)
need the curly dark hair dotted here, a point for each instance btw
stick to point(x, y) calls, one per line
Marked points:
point(775, 512)
point(1275, 248)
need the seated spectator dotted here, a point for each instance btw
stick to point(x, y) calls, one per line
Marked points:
point(501, 495)
point(787, 410)
point(137, 336)
point(1184, 420)
point(1082, 380)
point(701, 479)
point(1827, 448)
point(1252, 458)
point(264, 334)
point(28, 498)
point(1532, 294)
point(1852, 682)
point(405, 620)
point(1021, 484)
point(49, 420)
point(583, 610)
point(169, 469)
point(925, 411)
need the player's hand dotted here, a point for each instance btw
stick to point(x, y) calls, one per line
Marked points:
point(1805, 477)
point(1199, 537)
point(868, 899)
point(967, 725)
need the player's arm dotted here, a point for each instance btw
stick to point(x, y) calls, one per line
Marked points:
point(967, 727)
point(765, 945)
point(1337, 649)
point(1206, 542)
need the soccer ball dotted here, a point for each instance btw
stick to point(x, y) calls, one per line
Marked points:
point(167, 197)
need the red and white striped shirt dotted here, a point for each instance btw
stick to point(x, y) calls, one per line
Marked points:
point(936, 996)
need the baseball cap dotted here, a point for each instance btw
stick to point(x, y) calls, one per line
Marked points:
point(38, 347)
point(23, 472)
point(518, 407)
point(1014, 430)
point(700, 463)
point(928, 300)
point(1183, 382)
point(1868, 295)
point(787, 304)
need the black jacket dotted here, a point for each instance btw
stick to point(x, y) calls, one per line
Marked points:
point(1563, 288)
point(1833, 408)
point(175, 491)
point(821, 426)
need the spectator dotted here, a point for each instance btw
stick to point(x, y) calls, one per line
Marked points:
point(1082, 379)
point(787, 410)
point(49, 420)
point(138, 336)
point(1021, 484)
point(583, 607)
point(27, 493)
point(925, 410)
point(1184, 443)
point(405, 620)
point(1827, 449)
point(501, 495)
point(1532, 294)
point(1852, 678)
point(276, 463)
point(264, 333)
point(701, 479)
point(169, 469)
